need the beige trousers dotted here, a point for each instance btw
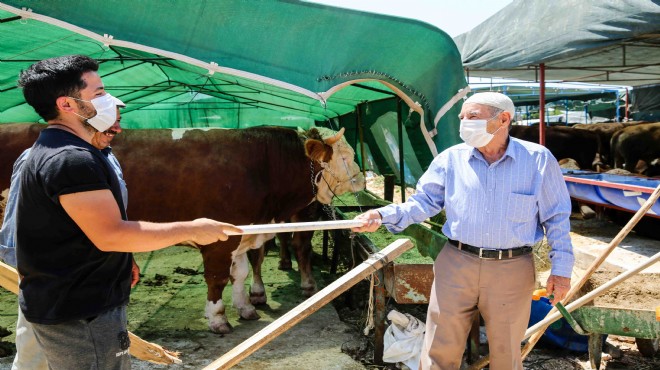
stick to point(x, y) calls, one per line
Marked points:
point(500, 289)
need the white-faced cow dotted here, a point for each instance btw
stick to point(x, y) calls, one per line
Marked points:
point(246, 176)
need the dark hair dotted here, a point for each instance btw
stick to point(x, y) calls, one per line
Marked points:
point(45, 81)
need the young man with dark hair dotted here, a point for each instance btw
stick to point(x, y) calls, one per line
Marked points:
point(74, 242)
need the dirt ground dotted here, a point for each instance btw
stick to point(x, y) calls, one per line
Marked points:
point(168, 307)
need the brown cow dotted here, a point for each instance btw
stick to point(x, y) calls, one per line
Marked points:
point(635, 143)
point(248, 176)
point(605, 131)
point(563, 142)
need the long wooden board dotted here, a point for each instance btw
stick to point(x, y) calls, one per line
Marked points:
point(297, 226)
point(311, 305)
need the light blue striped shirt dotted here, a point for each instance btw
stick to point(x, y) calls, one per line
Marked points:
point(507, 204)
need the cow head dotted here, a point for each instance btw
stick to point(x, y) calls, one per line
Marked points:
point(340, 173)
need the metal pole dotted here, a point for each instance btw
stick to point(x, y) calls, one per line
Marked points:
point(542, 104)
point(616, 108)
point(358, 114)
point(402, 175)
point(627, 99)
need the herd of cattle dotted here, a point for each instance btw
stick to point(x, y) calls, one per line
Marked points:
point(632, 147)
point(264, 175)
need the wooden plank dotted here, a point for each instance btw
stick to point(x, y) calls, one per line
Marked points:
point(375, 262)
point(8, 278)
point(297, 226)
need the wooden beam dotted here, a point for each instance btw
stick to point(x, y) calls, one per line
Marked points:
point(311, 305)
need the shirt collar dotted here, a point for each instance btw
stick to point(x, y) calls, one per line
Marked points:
point(511, 151)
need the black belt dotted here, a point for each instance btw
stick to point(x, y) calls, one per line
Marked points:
point(491, 253)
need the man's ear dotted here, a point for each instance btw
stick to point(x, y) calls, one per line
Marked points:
point(63, 103)
point(505, 118)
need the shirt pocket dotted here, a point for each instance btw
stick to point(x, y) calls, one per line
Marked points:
point(521, 208)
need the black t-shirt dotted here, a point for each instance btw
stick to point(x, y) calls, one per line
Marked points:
point(65, 277)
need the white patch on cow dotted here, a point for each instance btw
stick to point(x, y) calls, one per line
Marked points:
point(239, 272)
point(253, 241)
point(177, 133)
point(341, 174)
point(215, 312)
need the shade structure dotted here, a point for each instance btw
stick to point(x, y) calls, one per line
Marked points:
point(615, 42)
point(238, 64)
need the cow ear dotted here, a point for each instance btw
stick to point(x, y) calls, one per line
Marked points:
point(317, 150)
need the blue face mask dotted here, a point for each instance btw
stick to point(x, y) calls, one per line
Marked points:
point(106, 112)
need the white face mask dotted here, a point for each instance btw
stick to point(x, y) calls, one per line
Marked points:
point(473, 132)
point(106, 112)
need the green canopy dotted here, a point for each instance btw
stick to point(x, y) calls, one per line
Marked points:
point(235, 64)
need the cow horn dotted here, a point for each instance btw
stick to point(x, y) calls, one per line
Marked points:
point(335, 138)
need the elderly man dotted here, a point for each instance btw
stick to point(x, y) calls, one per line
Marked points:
point(501, 196)
point(73, 239)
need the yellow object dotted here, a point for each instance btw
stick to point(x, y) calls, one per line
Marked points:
point(538, 293)
point(657, 313)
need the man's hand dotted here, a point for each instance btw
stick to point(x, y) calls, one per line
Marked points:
point(557, 286)
point(135, 274)
point(372, 220)
point(209, 231)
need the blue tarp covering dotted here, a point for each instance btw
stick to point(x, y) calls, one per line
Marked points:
point(608, 196)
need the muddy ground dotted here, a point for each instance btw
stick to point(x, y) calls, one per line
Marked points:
point(167, 308)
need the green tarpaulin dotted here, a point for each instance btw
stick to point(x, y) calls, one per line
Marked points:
point(235, 64)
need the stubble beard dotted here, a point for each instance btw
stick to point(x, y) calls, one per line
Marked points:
point(87, 113)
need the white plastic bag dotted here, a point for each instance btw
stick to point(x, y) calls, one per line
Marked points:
point(403, 339)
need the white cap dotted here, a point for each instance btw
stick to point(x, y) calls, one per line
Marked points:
point(493, 99)
point(119, 103)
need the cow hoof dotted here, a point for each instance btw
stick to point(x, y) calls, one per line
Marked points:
point(249, 313)
point(220, 328)
point(284, 266)
point(258, 298)
point(308, 292)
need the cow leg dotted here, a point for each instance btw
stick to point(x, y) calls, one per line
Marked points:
point(285, 253)
point(216, 273)
point(302, 244)
point(239, 272)
point(257, 289)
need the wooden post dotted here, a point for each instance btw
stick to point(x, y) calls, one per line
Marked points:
point(311, 305)
point(388, 191)
point(379, 317)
